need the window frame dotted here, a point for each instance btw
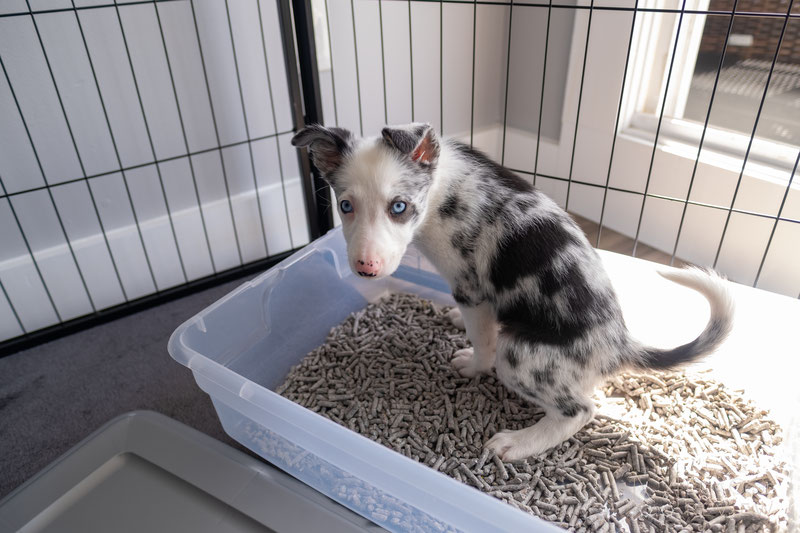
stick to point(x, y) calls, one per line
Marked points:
point(642, 107)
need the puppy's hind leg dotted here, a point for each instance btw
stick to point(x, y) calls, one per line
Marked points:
point(553, 429)
point(566, 404)
point(481, 329)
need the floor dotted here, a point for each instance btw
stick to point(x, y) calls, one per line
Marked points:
point(617, 242)
point(54, 395)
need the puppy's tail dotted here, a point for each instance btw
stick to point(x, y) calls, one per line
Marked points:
point(710, 285)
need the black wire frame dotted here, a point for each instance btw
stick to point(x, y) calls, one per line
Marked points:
point(294, 23)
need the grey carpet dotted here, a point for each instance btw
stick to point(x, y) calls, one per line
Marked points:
point(54, 395)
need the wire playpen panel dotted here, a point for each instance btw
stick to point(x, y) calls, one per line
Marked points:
point(145, 145)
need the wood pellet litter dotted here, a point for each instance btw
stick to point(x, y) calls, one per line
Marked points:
point(685, 454)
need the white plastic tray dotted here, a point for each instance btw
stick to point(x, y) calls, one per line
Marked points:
point(146, 472)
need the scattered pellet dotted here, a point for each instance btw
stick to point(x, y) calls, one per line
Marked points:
point(705, 458)
point(501, 468)
point(471, 477)
point(482, 459)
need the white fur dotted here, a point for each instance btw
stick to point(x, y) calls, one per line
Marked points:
point(368, 230)
point(710, 285)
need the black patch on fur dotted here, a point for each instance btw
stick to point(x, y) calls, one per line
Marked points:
point(552, 279)
point(543, 376)
point(569, 406)
point(475, 157)
point(468, 279)
point(596, 307)
point(462, 297)
point(509, 180)
point(465, 240)
point(539, 323)
point(404, 139)
point(415, 180)
point(418, 143)
point(328, 148)
point(499, 175)
point(523, 203)
point(494, 208)
point(512, 357)
point(609, 368)
point(528, 251)
point(451, 207)
point(666, 359)
point(466, 290)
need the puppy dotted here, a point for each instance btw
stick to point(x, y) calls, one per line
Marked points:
point(531, 291)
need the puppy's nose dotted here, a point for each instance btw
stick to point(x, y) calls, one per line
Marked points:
point(368, 268)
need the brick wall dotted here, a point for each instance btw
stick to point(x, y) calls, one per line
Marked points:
point(765, 31)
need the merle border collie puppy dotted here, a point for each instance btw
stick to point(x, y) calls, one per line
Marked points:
point(531, 291)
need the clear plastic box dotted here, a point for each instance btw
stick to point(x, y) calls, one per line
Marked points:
point(242, 347)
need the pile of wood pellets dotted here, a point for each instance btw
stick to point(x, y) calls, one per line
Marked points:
point(680, 453)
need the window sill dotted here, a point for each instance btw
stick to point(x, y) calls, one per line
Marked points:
point(768, 160)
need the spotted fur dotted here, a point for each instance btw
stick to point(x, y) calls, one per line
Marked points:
point(532, 293)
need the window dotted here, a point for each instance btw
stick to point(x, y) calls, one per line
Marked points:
point(732, 109)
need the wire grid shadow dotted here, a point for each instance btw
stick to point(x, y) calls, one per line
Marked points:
point(586, 100)
point(145, 147)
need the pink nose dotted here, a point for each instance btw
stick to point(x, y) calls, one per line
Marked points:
point(368, 268)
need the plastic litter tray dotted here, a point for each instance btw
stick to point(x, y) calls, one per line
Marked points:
point(146, 472)
point(241, 348)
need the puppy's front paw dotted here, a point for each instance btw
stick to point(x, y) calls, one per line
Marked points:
point(512, 446)
point(455, 317)
point(467, 364)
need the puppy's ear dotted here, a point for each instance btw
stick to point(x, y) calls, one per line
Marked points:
point(328, 147)
point(419, 142)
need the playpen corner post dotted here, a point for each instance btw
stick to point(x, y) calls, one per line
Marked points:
point(297, 27)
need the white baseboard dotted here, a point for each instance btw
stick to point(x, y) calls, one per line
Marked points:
point(57, 267)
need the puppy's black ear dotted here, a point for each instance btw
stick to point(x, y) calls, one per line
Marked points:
point(328, 147)
point(417, 141)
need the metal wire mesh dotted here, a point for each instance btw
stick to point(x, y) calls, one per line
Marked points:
point(169, 60)
point(218, 88)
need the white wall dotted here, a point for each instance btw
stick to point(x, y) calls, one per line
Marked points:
point(442, 52)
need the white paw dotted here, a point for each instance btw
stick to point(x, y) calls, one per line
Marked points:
point(467, 364)
point(455, 317)
point(512, 446)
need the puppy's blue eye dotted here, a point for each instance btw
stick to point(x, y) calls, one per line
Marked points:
point(398, 207)
point(346, 206)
